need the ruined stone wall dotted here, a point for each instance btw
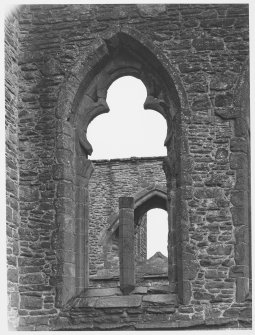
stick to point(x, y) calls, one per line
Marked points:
point(12, 166)
point(141, 239)
point(110, 180)
point(208, 47)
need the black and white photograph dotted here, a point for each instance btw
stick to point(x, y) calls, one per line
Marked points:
point(127, 166)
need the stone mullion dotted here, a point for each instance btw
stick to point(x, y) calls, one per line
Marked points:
point(126, 244)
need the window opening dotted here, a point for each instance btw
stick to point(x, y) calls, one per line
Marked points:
point(127, 130)
point(151, 241)
point(157, 232)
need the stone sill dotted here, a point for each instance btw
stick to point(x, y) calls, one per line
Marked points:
point(116, 278)
point(129, 301)
point(113, 297)
point(124, 160)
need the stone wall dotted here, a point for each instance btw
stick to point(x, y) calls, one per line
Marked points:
point(111, 180)
point(141, 239)
point(12, 166)
point(207, 49)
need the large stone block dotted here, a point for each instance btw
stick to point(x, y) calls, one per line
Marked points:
point(239, 215)
point(201, 103)
point(239, 144)
point(239, 271)
point(118, 302)
point(101, 292)
point(30, 302)
point(187, 293)
point(242, 289)
point(208, 43)
point(12, 275)
point(238, 161)
point(223, 100)
point(242, 180)
point(219, 250)
point(241, 253)
point(36, 278)
point(203, 296)
point(239, 198)
point(161, 299)
point(151, 10)
point(26, 234)
point(222, 82)
point(190, 269)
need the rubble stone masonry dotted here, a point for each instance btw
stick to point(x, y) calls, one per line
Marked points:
point(194, 61)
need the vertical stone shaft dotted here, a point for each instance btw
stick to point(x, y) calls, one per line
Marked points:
point(126, 244)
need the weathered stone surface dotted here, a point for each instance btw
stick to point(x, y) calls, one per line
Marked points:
point(207, 44)
point(223, 100)
point(152, 10)
point(238, 161)
point(241, 253)
point(239, 198)
point(12, 275)
point(201, 103)
point(161, 299)
point(140, 290)
point(36, 278)
point(101, 292)
point(190, 268)
point(186, 55)
point(239, 271)
point(239, 144)
point(239, 215)
point(203, 296)
point(160, 289)
point(30, 302)
point(126, 244)
point(219, 250)
point(168, 325)
point(242, 289)
point(222, 82)
point(123, 301)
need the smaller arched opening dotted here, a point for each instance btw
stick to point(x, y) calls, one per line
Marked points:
point(157, 232)
point(151, 227)
point(151, 248)
point(151, 240)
